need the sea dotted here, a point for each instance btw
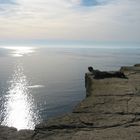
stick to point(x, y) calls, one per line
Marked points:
point(38, 83)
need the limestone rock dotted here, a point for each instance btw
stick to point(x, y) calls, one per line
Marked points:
point(111, 111)
point(10, 133)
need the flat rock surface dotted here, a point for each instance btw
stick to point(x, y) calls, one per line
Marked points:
point(10, 133)
point(111, 111)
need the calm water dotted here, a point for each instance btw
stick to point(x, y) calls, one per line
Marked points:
point(38, 83)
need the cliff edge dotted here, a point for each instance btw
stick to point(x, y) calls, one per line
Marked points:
point(111, 111)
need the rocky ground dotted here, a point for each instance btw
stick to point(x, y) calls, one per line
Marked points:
point(111, 111)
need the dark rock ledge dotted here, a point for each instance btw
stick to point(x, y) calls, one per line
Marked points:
point(111, 111)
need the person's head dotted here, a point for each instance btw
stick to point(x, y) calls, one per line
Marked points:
point(90, 69)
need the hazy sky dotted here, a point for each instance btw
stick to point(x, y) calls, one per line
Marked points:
point(97, 20)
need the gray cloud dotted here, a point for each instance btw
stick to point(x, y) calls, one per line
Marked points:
point(7, 2)
point(69, 20)
point(7, 7)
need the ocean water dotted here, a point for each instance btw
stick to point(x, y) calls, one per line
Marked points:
point(37, 83)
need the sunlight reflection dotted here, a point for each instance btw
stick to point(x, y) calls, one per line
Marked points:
point(19, 51)
point(19, 108)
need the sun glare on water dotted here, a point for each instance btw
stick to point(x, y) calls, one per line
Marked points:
point(19, 108)
point(20, 51)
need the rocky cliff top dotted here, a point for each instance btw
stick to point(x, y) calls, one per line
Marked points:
point(111, 111)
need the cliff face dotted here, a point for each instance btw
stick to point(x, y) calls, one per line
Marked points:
point(111, 110)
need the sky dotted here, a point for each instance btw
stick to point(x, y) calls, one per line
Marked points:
point(82, 20)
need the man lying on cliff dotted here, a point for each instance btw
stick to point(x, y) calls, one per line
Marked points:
point(103, 74)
